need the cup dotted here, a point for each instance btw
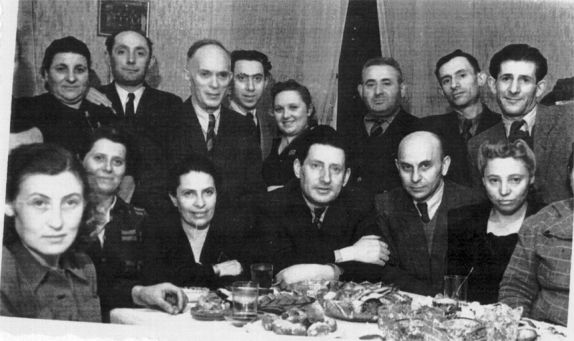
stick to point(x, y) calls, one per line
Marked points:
point(244, 295)
point(262, 273)
point(455, 287)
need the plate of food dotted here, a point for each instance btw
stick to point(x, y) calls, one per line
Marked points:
point(210, 307)
point(279, 302)
point(307, 321)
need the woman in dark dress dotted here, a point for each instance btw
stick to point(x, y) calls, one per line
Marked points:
point(483, 236)
point(293, 111)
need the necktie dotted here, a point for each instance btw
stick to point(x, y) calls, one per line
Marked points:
point(318, 213)
point(210, 137)
point(516, 133)
point(251, 116)
point(466, 126)
point(422, 206)
point(130, 112)
point(378, 127)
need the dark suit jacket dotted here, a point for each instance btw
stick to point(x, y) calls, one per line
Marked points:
point(286, 236)
point(410, 266)
point(169, 257)
point(150, 128)
point(469, 246)
point(553, 137)
point(373, 159)
point(235, 153)
point(447, 127)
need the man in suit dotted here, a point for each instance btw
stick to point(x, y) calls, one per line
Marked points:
point(382, 127)
point(412, 218)
point(250, 78)
point(517, 80)
point(460, 80)
point(144, 112)
point(315, 227)
point(205, 127)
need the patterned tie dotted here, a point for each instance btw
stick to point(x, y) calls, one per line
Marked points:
point(466, 126)
point(422, 206)
point(378, 128)
point(210, 137)
point(516, 133)
point(251, 116)
point(318, 213)
point(130, 112)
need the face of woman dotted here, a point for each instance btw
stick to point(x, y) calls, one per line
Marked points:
point(290, 112)
point(47, 212)
point(506, 182)
point(68, 77)
point(105, 164)
point(195, 199)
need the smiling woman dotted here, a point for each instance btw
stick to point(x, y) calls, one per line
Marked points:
point(42, 274)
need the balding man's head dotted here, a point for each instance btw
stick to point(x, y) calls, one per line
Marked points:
point(422, 164)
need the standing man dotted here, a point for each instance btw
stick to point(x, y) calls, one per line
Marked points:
point(413, 218)
point(204, 127)
point(517, 80)
point(460, 80)
point(250, 78)
point(383, 126)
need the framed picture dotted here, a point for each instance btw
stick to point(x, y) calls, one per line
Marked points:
point(114, 15)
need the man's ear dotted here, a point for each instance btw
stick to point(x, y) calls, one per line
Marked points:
point(360, 90)
point(9, 209)
point(403, 87)
point(445, 165)
point(397, 164)
point(492, 85)
point(186, 74)
point(540, 88)
point(481, 78)
point(297, 168)
point(152, 62)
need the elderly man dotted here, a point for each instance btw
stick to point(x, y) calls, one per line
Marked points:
point(204, 127)
point(413, 218)
point(315, 227)
point(517, 80)
point(250, 78)
point(383, 126)
point(460, 80)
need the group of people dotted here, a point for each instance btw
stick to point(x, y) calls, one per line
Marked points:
point(123, 195)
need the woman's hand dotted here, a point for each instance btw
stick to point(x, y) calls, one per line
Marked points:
point(228, 268)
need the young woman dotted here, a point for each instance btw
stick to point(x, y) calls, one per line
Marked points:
point(483, 236)
point(43, 276)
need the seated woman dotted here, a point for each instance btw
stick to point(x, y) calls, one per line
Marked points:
point(483, 236)
point(115, 240)
point(293, 112)
point(198, 244)
point(43, 276)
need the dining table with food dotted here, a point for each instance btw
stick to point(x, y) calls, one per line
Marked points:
point(340, 310)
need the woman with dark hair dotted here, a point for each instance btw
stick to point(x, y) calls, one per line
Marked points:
point(198, 244)
point(293, 111)
point(483, 236)
point(43, 275)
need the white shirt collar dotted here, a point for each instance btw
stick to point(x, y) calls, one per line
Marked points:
point(433, 203)
point(101, 229)
point(203, 117)
point(239, 109)
point(123, 94)
point(529, 118)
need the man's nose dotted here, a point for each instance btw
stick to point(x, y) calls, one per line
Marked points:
point(455, 83)
point(250, 84)
point(131, 58)
point(326, 176)
point(415, 176)
point(378, 89)
point(514, 86)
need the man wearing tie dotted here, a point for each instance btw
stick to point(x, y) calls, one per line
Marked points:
point(517, 79)
point(203, 126)
point(413, 218)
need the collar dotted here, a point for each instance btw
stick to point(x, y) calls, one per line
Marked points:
point(236, 107)
point(123, 95)
point(370, 120)
point(433, 203)
point(313, 207)
point(529, 118)
point(203, 117)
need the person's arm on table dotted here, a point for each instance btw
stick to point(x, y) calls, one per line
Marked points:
point(164, 296)
point(302, 272)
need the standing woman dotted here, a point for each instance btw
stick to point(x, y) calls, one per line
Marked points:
point(293, 111)
point(483, 236)
point(43, 276)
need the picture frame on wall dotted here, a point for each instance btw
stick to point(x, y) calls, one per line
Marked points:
point(115, 15)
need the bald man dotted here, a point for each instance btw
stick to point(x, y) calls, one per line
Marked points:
point(413, 218)
point(205, 127)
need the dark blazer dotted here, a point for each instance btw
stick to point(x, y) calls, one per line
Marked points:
point(469, 246)
point(285, 235)
point(235, 153)
point(169, 257)
point(447, 127)
point(373, 159)
point(150, 129)
point(267, 130)
point(410, 266)
point(553, 137)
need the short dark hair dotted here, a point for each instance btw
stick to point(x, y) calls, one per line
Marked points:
point(324, 135)
point(456, 53)
point(111, 40)
point(120, 136)
point(518, 150)
point(519, 52)
point(204, 42)
point(251, 55)
point(381, 61)
point(193, 163)
point(63, 45)
point(293, 85)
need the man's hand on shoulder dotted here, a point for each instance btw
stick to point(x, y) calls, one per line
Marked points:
point(98, 98)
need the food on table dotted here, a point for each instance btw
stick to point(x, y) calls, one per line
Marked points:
point(193, 293)
point(279, 302)
point(464, 329)
point(309, 321)
point(447, 304)
point(210, 307)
